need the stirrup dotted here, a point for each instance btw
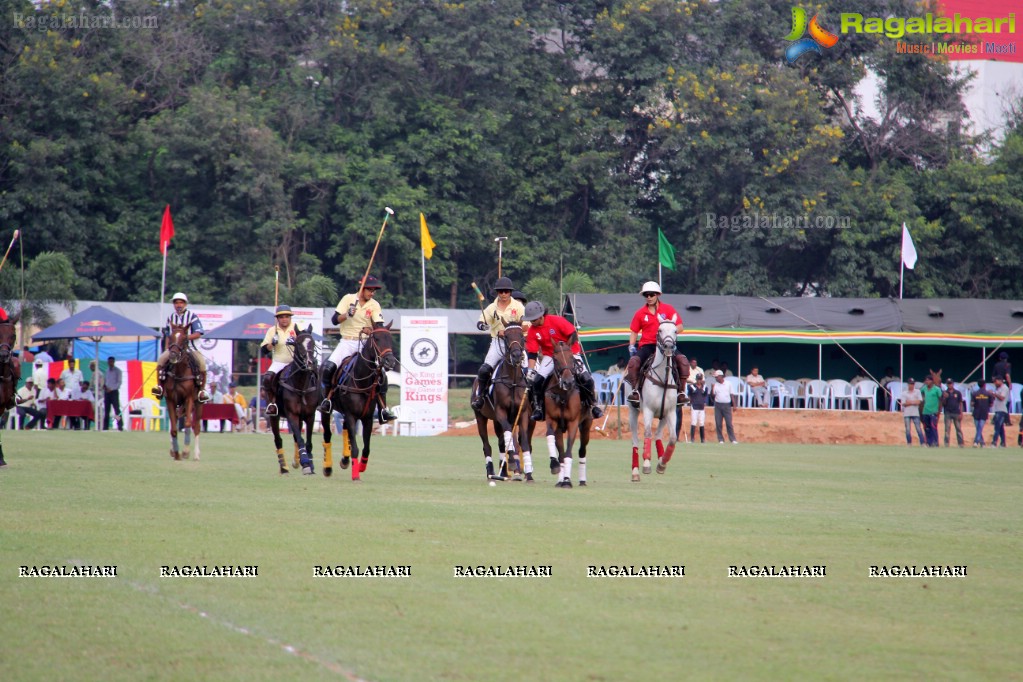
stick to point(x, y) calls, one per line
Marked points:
point(204, 397)
point(158, 391)
point(537, 415)
point(325, 407)
point(477, 402)
point(386, 415)
point(271, 410)
point(633, 398)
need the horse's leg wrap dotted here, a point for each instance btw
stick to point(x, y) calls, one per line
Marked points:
point(647, 442)
point(566, 468)
point(660, 449)
point(297, 457)
point(668, 452)
point(280, 460)
point(328, 456)
point(582, 469)
point(527, 462)
point(635, 458)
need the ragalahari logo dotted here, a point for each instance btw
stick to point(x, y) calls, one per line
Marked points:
point(817, 39)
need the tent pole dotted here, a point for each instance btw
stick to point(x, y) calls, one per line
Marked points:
point(820, 362)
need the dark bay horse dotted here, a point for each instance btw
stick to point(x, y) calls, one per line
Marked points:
point(357, 396)
point(505, 406)
point(10, 372)
point(298, 394)
point(565, 417)
point(181, 391)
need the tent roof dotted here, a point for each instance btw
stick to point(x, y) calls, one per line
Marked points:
point(93, 322)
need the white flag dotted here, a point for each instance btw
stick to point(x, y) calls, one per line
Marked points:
point(908, 249)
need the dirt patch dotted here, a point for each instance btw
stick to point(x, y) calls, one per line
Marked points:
point(756, 425)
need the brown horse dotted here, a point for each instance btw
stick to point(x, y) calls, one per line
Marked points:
point(565, 416)
point(181, 391)
point(505, 406)
point(358, 395)
point(10, 372)
point(298, 394)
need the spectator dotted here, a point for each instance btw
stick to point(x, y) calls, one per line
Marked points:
point(931, 395)
point(723, 403)
point(758, 385)
point(26, 401)
point(85, 393)
point(235, 398)
point(911, 401)
point(43, 356)
point(618, 367)
point(112, 395)
point(981, 399)
point(27, 355)
point(952, 406)
point(257, 410)
point(45, 393)
point(698, 394)
point(724, 368)
point(694, 369)
point(72, 378)
point(1003, 369)
point(216, 398)
point(1000, 410)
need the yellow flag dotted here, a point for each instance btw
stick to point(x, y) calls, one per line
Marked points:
point(424, 237)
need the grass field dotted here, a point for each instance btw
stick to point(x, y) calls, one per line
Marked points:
point(102, 499)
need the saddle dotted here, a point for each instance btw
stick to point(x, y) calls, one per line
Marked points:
point(680, 385)
point(344, 372)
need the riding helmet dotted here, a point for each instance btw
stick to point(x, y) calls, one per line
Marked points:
point(534, 311)
point(282, 310)
point(503, 283)
point(179, 297)
point(651, 288)
point(520, 297)
point(372, 283)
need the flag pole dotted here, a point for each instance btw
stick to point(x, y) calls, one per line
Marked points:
point(422, 258)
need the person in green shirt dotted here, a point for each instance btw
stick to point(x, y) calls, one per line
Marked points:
point(929, 413)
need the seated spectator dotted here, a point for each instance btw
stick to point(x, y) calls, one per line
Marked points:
point(233, 397)
point(26, 401)
point(257, 411)
point(758, 385)
point(45, 393)
point(217, 398)
point(85, 393)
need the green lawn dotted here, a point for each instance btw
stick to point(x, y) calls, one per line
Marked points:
point(98, 499)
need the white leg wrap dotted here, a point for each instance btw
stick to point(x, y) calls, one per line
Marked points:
point(527, 461)
point(552, 447)
point(566, 468)
point(582, 468)
point(509, 443)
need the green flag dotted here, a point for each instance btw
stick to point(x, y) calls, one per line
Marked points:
point(665, 251)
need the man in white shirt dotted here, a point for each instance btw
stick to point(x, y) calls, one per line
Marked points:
point(758, 385)
point(26, 401)
point(45, 393)
point(911, 400)
point(722, 393)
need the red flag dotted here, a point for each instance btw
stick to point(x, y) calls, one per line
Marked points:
point(166, 230)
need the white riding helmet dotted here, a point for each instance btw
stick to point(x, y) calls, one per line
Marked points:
point(651, 288)
point(178, 296)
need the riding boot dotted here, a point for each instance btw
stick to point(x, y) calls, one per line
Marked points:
point(692, 434)
point(385, 414)
point(701, 434)
point(682, 365)
point(161, 375)
point(204, 397)
point(484, 384)
point(586, 382)
point(270, 393)
point(632, 379)
point(327, 378)
point(536, 397)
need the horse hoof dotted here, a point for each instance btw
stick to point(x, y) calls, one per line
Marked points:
point(284, 470)
point(582, 484)
point(661, 466)
point(635, 474)
point(294, 465)
point(345, 461)
point(555, 467)
point(529, 478)
point(356, 480)
point(327, 471)
point(308, 471)
point(646, 466)
point(563, 483)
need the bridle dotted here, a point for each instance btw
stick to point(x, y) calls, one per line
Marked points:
point(563, 366)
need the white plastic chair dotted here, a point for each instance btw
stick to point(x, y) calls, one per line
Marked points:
point(776, 389)
point(817, 394)
point(794, 391)
point(1015, 395)
point(866, 390)
point(148, 411)
point(840, 392)
point(895, 388)
point(738, 388)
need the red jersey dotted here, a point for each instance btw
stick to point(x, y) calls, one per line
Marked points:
point(541, 337)
point(645, 324)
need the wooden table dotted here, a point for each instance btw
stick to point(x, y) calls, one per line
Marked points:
point(218, 412)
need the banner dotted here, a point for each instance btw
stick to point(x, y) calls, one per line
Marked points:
point(424, 374)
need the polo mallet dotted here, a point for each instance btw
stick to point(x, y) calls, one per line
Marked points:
point(9, 247)
point(387, 214)
point(500, 243)
point(277, 284)
point(515, 425)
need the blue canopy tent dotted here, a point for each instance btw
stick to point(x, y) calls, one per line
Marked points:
point(94, 323)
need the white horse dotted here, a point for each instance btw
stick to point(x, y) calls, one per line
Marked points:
point(657, 399)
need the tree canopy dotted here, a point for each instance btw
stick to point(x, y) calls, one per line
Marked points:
point(278, 130)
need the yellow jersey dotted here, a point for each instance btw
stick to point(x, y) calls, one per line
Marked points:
point(283, 351)
point(498, 319)
point(366, 314)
